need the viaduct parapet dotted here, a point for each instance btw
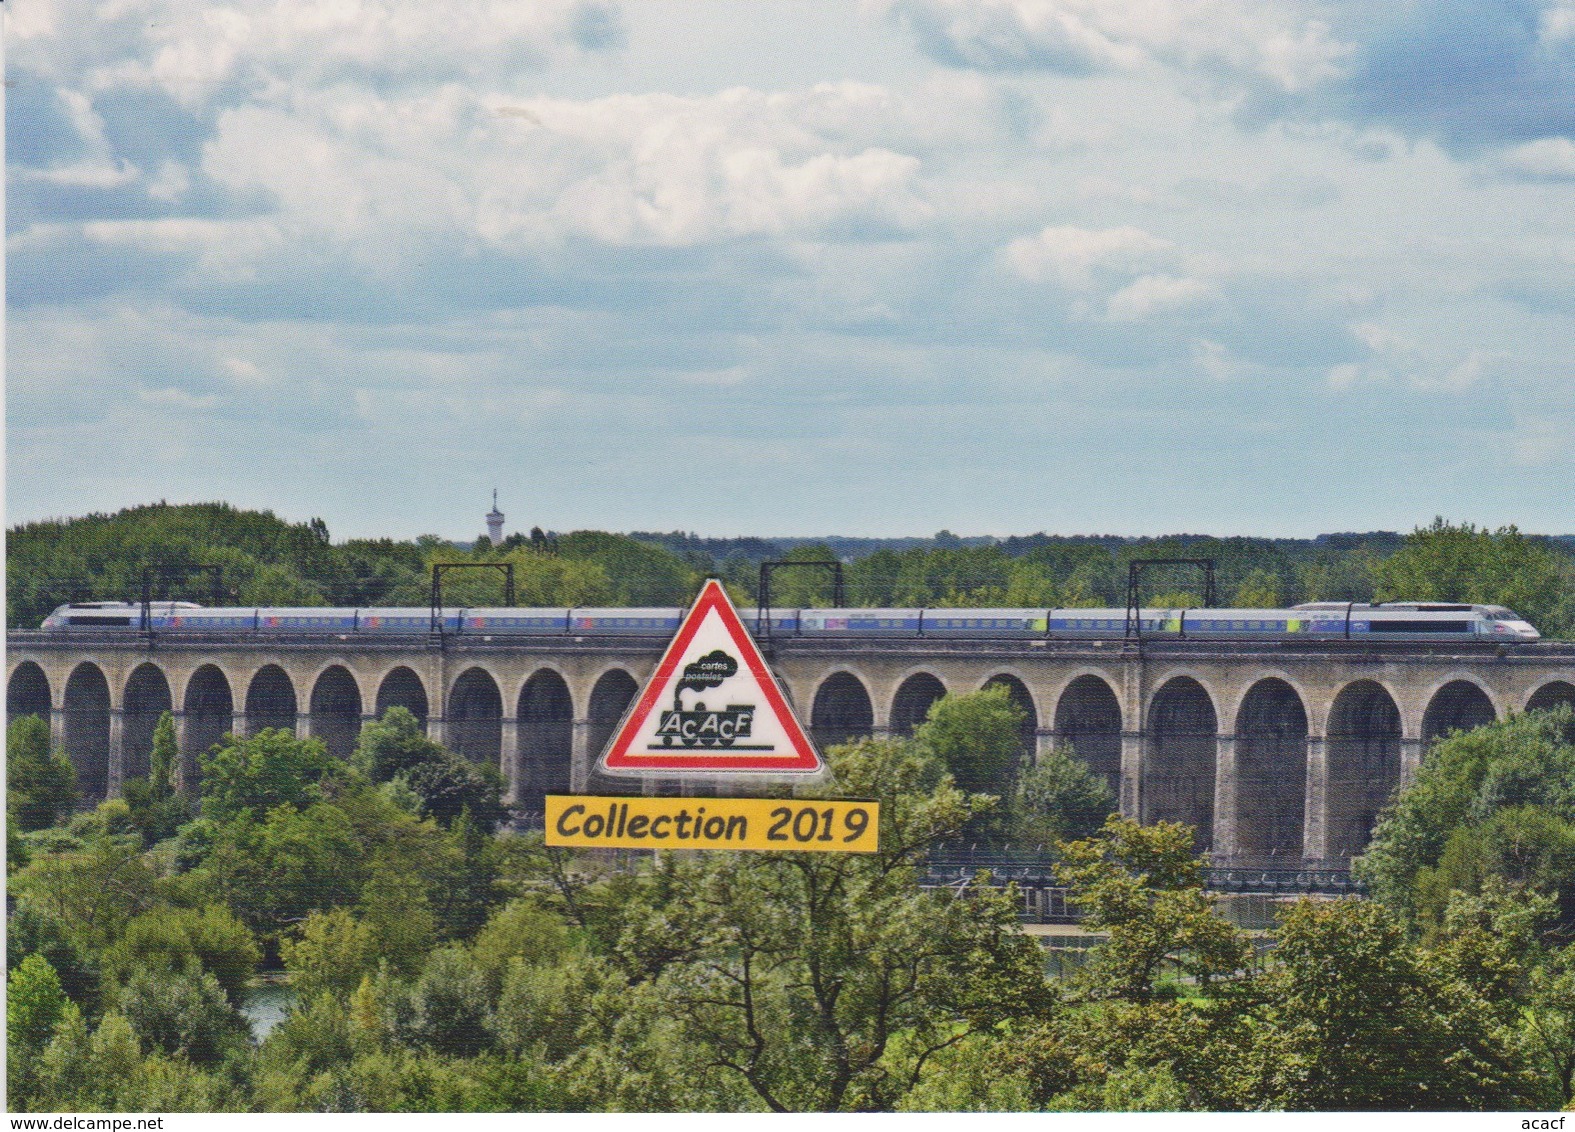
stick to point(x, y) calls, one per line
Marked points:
point(1279, 754)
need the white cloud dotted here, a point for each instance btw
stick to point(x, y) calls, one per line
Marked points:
point(1071, 255)
point(1155, 294)
point(190, 51)
point(1135, 271)
point(1545, 159)
point(1283, 43)
point(651, 169)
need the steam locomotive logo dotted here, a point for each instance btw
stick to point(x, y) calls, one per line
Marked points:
point(699, 727)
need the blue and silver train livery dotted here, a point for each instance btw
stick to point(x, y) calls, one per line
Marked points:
point(1352, 621)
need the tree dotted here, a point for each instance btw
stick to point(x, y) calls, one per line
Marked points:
point(977, 737)
point(826, 982)
point(1357, 1019)
point(273, 768)
point(31, 930)
point(1059, 798)
point(330, 955)
point(276, 871)
point(1144, 887)
point(188, 940)
point(392, 745)
point(157, 809)
point(35, 1005)
point(395, 748)
point(1445, 562)
point(183, 1013)
point(40, 783)
point(1498, 800)
point(90, 892)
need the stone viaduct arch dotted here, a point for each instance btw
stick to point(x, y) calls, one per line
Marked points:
point(546, 739)
point(401, 687)
point(842, 710)
point(27, 693)
point(146, 699)
point(1088, 722)
point(1178, 766)
point(473, 720)
point(270, 700)
point(87, 729)
point(1018, 693)
point(1273, 756)
point(912, 702)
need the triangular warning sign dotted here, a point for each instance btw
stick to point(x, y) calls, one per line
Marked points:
point(712, 705)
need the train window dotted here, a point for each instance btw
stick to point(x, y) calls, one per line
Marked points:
point(1421, 627)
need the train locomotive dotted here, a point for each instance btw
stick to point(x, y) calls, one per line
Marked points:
point(1313, 621)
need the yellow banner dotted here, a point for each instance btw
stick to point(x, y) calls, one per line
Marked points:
point(712, 823)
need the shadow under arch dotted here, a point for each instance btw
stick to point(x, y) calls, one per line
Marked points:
point(1271, 773)
point(403, 688)
point(914, 698)
point(209, 707)
point(473, 721)
point(1178, 770)
point(270, 701)
point(334, 711)
point(1363, 751)
point(546, 740)
point(1458, 706)
point(147, 698)
point(1088, 723)
point(87, 730)
point(611, 696)
point(841, 711)
point(27, 693)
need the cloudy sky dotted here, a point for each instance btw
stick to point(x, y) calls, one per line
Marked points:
point(1132, 266)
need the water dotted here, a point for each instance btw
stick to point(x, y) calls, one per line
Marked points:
point(267, 1001)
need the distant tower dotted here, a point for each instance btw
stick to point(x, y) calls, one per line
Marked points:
point(495, 521)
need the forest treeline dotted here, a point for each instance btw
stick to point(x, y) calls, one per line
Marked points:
point(265, 560)
point(433, 964)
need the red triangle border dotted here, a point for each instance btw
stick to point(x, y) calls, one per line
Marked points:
point(805, 760)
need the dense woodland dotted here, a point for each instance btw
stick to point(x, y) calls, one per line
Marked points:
point(435, 961)
point(264, 560)
point(433, 964)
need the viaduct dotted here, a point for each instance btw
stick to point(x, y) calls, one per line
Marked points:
point(1281, 754)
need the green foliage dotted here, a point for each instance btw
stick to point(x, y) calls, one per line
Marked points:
point(276, 871)
point(332, 952)
point(1445, 562)
point(395, 748)
point(448, 1007)
point(825, 982)
point(392, 745)
point(252, 776)
point(91, 892)
point(41, 786)
point(35, 1005)
point(1144, 887)
point(32, 931)
point(156, 809)
point(1358, 1019)
point(185, 1014)
point(977, 737)
point(638, 573)
point(189, 941)
point(1059, 798)
point(520, 931)
point(1498, 800)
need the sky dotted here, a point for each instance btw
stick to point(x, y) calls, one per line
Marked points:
point(795, 268)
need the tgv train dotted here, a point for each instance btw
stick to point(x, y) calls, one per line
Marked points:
point(1393, 621)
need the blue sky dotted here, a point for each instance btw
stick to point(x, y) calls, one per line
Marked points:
point(997, 266)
